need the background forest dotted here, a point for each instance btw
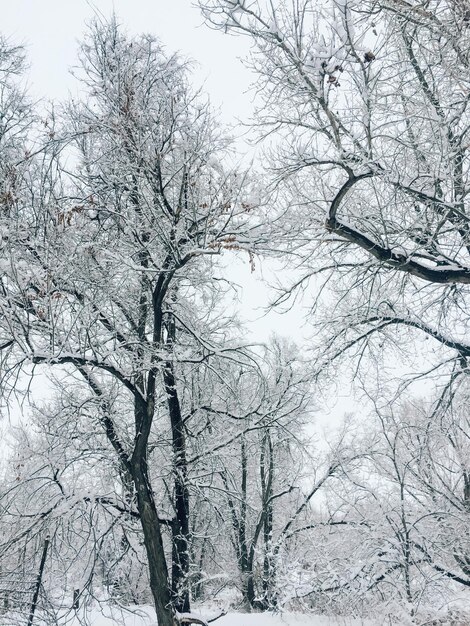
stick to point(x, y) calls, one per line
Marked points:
point(168, 457)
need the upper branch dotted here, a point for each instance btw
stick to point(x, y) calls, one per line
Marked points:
point(443, 274)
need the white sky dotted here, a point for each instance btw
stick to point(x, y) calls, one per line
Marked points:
point(51, 28)
point(50, 31)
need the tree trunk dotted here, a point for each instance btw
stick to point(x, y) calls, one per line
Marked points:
point(268, 563)
point(153, 542)
point(181, 534)
point(246, 567)
point(38, 582)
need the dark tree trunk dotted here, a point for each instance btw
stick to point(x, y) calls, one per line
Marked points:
point(263, 528)
point(76, 599)
point(245, 564)
point(181, 533)
point(267, 487)
point(153, 542)
point(239, 525)
point(38, 582)
point(136, 486)
point(197, 582)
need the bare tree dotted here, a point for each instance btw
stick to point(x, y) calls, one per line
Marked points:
point(368, 103)
point(253, 474)
point(261, 480)
point(392, 532)
point(117, 238)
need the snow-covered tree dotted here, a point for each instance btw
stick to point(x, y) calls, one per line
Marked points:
point(364, 108)
point(368, 103)
point(392, 530)
point(110, 252)
point(256, 450)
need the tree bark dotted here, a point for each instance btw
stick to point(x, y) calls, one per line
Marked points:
point(268, 562)
point(38, 582)
point(153, 542)
point(181, 533)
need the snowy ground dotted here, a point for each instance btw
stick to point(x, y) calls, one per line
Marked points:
point(231, 619)
point(145, 616)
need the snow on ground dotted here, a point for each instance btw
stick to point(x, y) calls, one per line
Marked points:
point(145, 616)
point(286, 619)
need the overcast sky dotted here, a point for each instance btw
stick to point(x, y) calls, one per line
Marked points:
point(50, 31)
